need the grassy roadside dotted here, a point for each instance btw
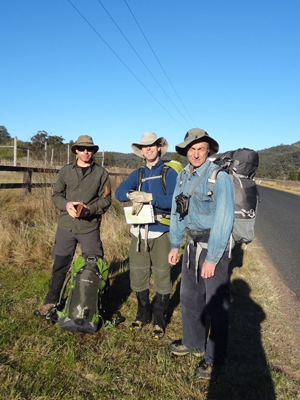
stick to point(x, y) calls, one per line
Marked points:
point(285, 186)
point(39, 361)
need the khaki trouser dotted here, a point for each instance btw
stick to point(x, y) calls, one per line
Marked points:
point(154, 260)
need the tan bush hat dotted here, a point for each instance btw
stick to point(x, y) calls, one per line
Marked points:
point(149, 138)
point(84, 140)
point(196, 135)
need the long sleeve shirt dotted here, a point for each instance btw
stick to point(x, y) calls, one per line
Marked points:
point(161, 202)
point(91, 188)
point(204, 213)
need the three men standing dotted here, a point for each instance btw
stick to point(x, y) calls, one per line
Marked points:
point(207, 219)
point(150, 244)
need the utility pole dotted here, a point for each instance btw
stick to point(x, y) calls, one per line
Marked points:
point(15, 151)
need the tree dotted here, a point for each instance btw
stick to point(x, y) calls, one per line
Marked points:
point(55, 140)
point(38, 140)
point(4, 135)
point(293, 175)
point(109, 159)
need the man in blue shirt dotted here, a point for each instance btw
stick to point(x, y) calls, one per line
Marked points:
point(150, 244)
point(204, 288)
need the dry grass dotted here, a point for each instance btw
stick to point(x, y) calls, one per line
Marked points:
point(39, 361)
point(287, 186)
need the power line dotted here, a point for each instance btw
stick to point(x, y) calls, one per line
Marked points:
point(125, 65)
point(125, 37)
point(159, 61)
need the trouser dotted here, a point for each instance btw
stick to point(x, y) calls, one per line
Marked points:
point(142, 263)
point(205, 302)
point(154, 260)
point(63, 252)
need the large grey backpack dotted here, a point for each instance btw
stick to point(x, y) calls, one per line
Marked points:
point(241, 165)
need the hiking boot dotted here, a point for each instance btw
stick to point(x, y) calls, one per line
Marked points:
point(45, 308)
point(136, 325)
point(179, 349)
point(205, 370)
point(158, 332)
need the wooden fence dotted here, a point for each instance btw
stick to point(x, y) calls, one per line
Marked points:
point(27, 184)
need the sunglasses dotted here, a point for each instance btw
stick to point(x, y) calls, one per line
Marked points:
point(82, 148)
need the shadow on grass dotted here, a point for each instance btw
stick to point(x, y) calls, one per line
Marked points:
point(175, 298)
point(118, 291)
point(246, 374)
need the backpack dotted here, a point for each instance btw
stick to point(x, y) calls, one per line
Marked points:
point(241, 165)
point(81, 311)
point(176, 165)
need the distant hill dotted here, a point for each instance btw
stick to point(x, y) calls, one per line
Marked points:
point(279, 162)
point(130, 160)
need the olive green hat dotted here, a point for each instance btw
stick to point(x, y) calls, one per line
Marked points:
point(196, 135)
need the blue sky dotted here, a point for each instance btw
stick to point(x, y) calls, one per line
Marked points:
point(235, 65)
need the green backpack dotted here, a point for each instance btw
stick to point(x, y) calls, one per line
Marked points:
point(81, 311)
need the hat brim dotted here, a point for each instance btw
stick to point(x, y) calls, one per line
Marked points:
point(183, 147)
point(161, 142)
point(74, 147)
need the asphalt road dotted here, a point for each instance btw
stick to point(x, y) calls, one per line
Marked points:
point(277, 228)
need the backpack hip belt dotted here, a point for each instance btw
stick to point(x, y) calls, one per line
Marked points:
point(200, 246)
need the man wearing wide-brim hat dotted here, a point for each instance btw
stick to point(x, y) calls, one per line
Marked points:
point(82, 194)
point(205, 279)
point(150, 243)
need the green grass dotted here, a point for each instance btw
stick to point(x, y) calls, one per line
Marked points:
point(39, 361)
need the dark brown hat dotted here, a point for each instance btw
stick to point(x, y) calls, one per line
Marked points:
point(84, 140)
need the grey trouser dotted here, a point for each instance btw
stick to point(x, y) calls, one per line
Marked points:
point(63, 252)
point(201, 298)
point(155, 260)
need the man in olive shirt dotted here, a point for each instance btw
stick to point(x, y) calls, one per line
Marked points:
point(80, 185)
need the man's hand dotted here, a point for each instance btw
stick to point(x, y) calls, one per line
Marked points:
point(140, 197)
point(173, 257)
point(71, 209)
point(208, 270)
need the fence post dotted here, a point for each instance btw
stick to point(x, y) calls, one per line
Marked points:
point(27, 157)
point(68, 154)
point(52, 156)
point(45, 153)
point(15, 151)
point(102, 158)
point(27, 180)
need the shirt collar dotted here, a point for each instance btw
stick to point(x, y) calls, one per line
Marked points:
point(198, 170)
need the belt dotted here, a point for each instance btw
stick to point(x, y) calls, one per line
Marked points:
point(163, 218)
point(197, 235)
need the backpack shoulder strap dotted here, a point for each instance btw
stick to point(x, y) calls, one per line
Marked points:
point(140, 177)
point(212, 181)
point(164, 171)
